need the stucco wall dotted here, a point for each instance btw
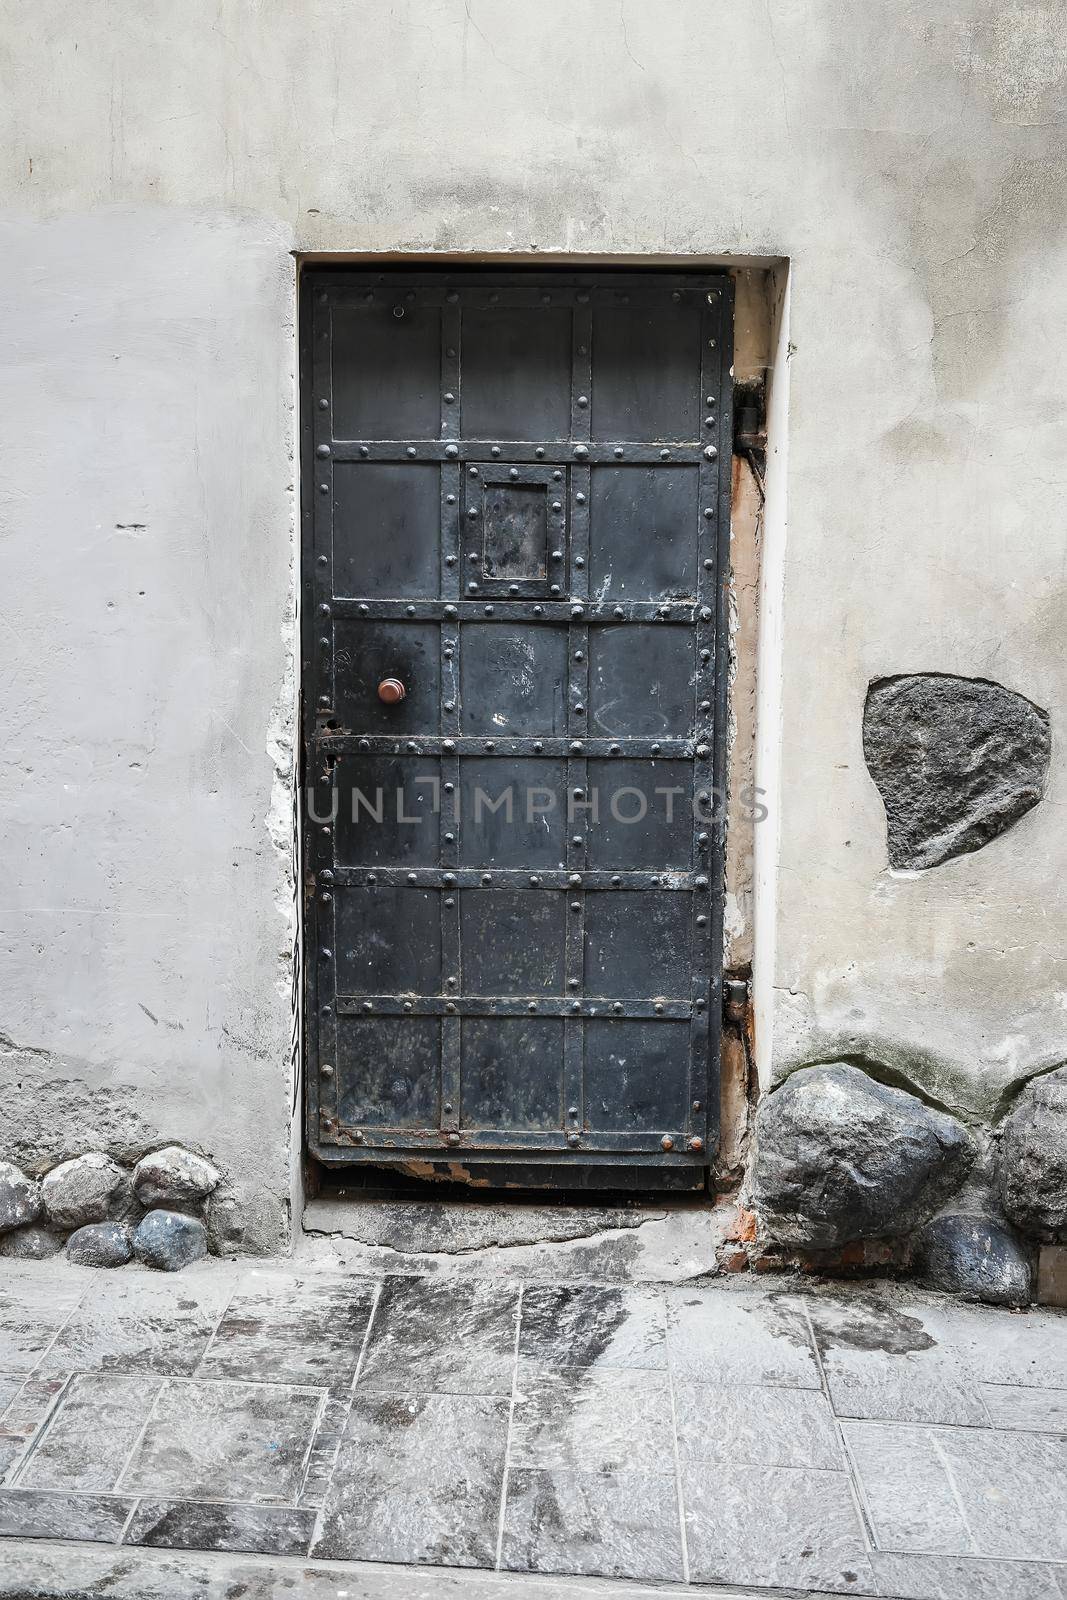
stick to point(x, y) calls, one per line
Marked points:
point(159, 163)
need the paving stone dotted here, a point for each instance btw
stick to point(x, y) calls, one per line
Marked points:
point(911, 1577)
point(610, 1525)
point(997, 1346)
point(577, 1325)
point(225, 1441)
point(442, 1338)
point(1026, 1410)
point(1012, 1489)
point(130, 1572)
point(200, 1525)
point(40, 1514)
point(169, 1240)
point(31, 1314)
point(720, 1338)
point(91, 1433)
point(883, 1360)
point(418, 1479)
point(10, 1384)
point(775, 1526)
point(135, 1322)
point(83, 1190)
point(908, 1493)
point(100, 1244)
point(292, 1330)
point(752, 1427)
point(593, 1420)
point(328, 1436)
point(23, 1419)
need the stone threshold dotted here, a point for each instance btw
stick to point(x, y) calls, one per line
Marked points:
point(671, 1241)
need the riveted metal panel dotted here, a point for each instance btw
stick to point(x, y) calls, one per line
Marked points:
point(515, 534)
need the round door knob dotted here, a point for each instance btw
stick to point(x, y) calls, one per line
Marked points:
point(391, 691)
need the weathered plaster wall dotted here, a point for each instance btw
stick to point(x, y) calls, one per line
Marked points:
point(158, 163)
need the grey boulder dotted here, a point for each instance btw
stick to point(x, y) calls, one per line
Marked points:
point(975, 1257)
point(1032, 1165)
point(840, 1156)
point(100, 1244)
point(83, 1189)
point(956, 761)
point(173, 1176)
point(169, 1240)
point(32, 1243)
point(20, 1198)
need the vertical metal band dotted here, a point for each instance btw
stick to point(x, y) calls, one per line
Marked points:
point(450, 821)
point(319, 835)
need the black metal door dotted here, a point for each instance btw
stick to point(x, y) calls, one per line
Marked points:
point(516, 517)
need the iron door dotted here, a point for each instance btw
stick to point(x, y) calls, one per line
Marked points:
point(516, 517)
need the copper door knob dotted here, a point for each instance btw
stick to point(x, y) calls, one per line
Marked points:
point(391, 691)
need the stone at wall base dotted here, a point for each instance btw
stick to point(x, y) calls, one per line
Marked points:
point(20, 1198)
point(976, 1258)
point(32, 1243)
point(173, 1176)
point(1032, 1170)
point(840, 1157)
point(168, 1241)
point(1052, 1275)
point(100, 1244)
point(83, 1189)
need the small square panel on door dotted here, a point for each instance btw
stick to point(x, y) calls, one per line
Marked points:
point(511, 1073)
point(641, 681)
point(512, 813)
point(512, 942)
point(516, 372)
point(366, 654)
point(512, 679)
point(386, 367)
point(388, 940)
point(638, 945)
point(386, 530)
point(646, 370)
point(643, 529)
point(645, 815)
point(388, 811)
point(636, 1076)
point(388, 1072)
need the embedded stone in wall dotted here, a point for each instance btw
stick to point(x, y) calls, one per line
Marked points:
point(956, 761)
point(100, 1244)
point(20, 1198)
point(841, 1157)
point(173, 1176)
point(1032, 1165)
point(83, 1190)
point(32, 1243)
point(976, 1258)
point(169, 1240)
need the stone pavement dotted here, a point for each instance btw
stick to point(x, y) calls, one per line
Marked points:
point(761, 1434)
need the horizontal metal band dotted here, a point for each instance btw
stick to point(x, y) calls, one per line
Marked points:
point(421, 1143)
point(512, 451)
point(445, 878)
point(503, 608)
point(391, 1005)
point(561, 287)
point(340, 741)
